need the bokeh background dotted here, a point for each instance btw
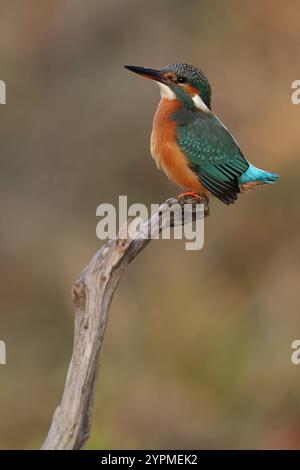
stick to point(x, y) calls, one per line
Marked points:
point(197, 351)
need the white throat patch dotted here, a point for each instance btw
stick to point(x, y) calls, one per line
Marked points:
point(166, 92)
point(199, 103)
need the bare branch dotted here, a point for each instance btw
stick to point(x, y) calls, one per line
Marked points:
point(92, 295)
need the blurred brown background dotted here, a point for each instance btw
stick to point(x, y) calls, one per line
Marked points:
point(197, 352)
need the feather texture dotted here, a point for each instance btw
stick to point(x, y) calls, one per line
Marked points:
point(212, 152)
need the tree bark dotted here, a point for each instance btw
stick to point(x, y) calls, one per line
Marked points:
point(92, 294)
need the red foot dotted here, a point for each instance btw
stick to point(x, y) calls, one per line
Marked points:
point(189, 195)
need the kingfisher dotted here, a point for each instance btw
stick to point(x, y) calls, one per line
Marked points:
point(191, 144)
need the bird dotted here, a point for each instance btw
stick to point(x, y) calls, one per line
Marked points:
point(191, 144)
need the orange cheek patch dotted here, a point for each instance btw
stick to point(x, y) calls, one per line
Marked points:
point(192, 91)
point(170, 76)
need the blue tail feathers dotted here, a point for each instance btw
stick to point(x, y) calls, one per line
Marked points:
point(256, 175)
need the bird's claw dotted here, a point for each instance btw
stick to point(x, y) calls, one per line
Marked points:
point(190, 196)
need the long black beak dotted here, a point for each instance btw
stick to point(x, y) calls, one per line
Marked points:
point(146, 72)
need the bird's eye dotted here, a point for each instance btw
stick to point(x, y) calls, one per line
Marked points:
point(181, 80)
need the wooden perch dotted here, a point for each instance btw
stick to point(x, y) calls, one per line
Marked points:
point(92, 295)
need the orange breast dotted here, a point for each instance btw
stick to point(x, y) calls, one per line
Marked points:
point(167, 153)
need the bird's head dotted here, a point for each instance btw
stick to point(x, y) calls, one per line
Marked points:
point(183, 82)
